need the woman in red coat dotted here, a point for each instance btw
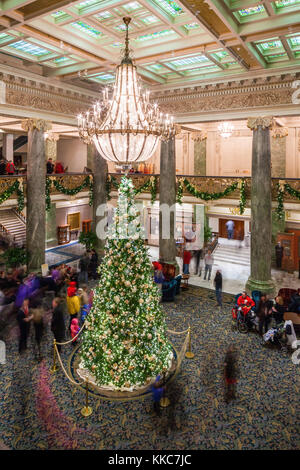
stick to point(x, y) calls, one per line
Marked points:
point(59, 168)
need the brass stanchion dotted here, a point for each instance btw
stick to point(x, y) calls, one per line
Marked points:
point(189, 354)
point(54, 367)
point(86, 410)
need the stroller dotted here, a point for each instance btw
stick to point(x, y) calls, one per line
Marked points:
point(275, 336)
point(244, 323)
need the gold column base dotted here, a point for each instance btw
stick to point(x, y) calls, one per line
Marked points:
point(189, 355)
point(86, 411)
point(164, 402)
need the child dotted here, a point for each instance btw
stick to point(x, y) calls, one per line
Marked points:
point(230, 373)
point(74, 329)
point(157, 394)
point(84, 302)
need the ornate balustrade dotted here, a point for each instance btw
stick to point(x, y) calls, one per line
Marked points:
point(209, 184)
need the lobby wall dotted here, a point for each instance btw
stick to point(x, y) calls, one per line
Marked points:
point(72, 153)
point(62, 213)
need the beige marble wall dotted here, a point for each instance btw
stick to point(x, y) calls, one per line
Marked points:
point(293, 153)
point(278, 157)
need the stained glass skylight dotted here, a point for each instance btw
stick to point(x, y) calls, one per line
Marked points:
point(150, 19)
point(294, 41)
point(86, 28)
point(132, 6)
point(251, 10)
point(265, 46)
point(286, 3)
point(29, 48)
point(87, 3)
point(157, 35)
point(191, 26)
point(104, 77)
point(170, 7)
point(104, 15)
point(5, 37)
point(188, 61)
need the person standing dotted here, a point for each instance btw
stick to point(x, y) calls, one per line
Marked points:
point(49, 166)
point(278, 254)
point(84, 266)
point(263, 314)
point(23, 319)
point(230, 229)
point(186, 261)
point(208, 261)
point(2, 166)
point(218, 285)
point(58, 327)
point(73, 302)
point(94, 264)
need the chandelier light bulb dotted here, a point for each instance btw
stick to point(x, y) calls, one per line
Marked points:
point(125, 127)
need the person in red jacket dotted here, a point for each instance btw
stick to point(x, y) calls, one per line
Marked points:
point(245, 303)
point(187, 256)
point(10, 168)
point(58, 168)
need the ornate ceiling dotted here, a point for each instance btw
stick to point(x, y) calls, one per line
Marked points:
point(174, 43)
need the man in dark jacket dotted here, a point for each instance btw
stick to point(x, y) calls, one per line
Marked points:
point(50, 167)
point(294, 306)
point(2, 166)
point(58, 327)
point(94, 264)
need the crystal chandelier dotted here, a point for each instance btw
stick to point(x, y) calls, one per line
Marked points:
point(225, 129)
point(127, 127)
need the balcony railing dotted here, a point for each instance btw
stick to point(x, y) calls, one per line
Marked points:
point(211, 184)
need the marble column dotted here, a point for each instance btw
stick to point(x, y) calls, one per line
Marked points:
point(8, 147)
point(167, 202)
point(51, 228)
point(99, 167)
point(36, 180)
point(261, 207)
point(51, 140)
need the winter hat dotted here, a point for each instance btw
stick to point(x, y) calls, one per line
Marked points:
point(71, 291)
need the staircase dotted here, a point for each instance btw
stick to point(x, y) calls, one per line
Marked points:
point(228, 251)
point(14, 225)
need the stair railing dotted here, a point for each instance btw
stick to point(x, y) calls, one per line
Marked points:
point(7, 235)
point(19, 214)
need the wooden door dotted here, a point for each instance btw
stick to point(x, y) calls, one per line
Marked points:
point(296, 253)
point(239, 228)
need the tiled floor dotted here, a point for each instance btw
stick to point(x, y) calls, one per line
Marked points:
point(69, 253)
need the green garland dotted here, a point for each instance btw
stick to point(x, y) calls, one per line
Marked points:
point(242, 203)
point(208, 196)
point(87, 183)
point(292, 191)
point(48, 198)
point(179, 192)
point(280, 208)
point(14, 188)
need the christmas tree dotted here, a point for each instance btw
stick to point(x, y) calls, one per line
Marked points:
point(124, 342)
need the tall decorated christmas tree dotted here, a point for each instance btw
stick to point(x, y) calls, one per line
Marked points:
point(124, 343)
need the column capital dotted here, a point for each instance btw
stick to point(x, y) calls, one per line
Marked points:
point(52, 136)
point(198, 136)
point(39, 124)
point(263, 121)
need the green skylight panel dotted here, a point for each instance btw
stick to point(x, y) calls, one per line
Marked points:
point(294, 42)
point(104, 15)
point(57, 14)
point(188, 61)
point(86, 28)
point(150, 19)
point(29, 48)
point(269, 45)
point(105, 77)
point(191, 26)
point(286, 3)
point(159, 34)
point(251, 11)
point(132, 6)
point(5, 37)
point(87, 3)
point(170, 7)
point(60, 60)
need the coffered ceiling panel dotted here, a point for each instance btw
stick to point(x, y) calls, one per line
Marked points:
point(173, 42)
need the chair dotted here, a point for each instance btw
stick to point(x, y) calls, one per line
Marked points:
point(178, 282)
point(295, 318)
point(169, 291)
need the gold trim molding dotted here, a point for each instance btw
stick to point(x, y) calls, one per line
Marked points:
point(39, 124)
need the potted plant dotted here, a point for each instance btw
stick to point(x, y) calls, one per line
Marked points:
point(89, 239)
point(14, 257)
